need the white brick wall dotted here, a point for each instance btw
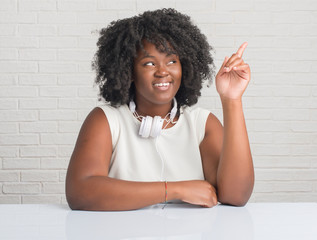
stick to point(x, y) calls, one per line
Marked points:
point(46, 87)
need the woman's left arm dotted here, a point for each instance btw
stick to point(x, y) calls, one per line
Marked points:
point(230, 159)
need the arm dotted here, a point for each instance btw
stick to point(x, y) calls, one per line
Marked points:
point(88, 186)
point(226, 154)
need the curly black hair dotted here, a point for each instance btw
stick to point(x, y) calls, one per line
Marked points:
point(166, 28)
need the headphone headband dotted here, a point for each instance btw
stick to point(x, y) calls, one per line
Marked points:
point(152, 126)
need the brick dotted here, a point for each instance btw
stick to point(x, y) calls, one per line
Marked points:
point(96, 17)
point(299, 126)
point(58, 42)
point(18, 18)
point(39, 176)
point(76, 79)
point(57, 67)
point(77, 6)
point(8, 151)
point(57, 115)
point(9, 176)
point(38, 127)
point(276, 30)
point(37, 30)
point(8, 139)
point(9, 199)
point(58, 188)
point(77, 30)
point(8, 104)
point(76, 103)
point(290, 114)
point(268, 5)
point(18, 92)
point(25, 163)
point(54, 163)
point(227, 5)
point(87, 92)
point(304, 150)
point(8, 128)
point(8, 54)
point(293, 43)
point(259, 114)
point(291, 17)
point(59, 91)
point(294, 91)
point(85, 67)
point(62, 175)
point(37, 54)
point(20, 67)
point(260, 137)
point(233, 30)
point(269, 186)
point(57, 18)
point(292, 138)
point(38, 103)
point(58, 139)
point(270, 150)
point(41, 199)
point(252, 17)
point(37, 151)
point(65, 151)
point(8, 79)
point(309, 5)
point(18, 42)
point(37, 5)
point(205, 17)
point(7, 29)
point(11, 188)
point(70, 127)
point(87, 42)
point(8, 6)
point(303, 30)
point(37, 79)
point(122, 4)
point(282, 162)
point(20, 115)
point(79, 55)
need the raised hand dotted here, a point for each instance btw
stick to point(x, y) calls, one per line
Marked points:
point(233, 76)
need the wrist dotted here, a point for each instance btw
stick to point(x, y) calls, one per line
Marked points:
point(173, 190)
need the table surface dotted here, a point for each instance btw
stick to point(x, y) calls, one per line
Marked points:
point(174, 221)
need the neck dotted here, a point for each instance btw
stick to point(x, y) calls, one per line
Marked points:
point(150, 109)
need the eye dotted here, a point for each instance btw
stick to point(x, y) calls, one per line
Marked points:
point(148, 64)
point(171, 62)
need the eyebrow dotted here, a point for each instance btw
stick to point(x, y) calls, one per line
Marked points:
point(150, 56)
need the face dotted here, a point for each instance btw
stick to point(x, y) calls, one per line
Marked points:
point(157, 76)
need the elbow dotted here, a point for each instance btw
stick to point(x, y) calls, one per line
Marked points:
point(236, 201)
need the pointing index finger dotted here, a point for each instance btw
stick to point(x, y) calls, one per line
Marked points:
point(241, 49)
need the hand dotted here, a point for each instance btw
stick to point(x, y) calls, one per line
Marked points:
point(233, 76)
point(198, 192)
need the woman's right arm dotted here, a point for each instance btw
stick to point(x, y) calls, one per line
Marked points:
point(88, 186)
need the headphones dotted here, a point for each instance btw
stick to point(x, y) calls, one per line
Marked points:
point(152, 126)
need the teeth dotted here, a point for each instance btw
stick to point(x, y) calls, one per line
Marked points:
point(161, 84)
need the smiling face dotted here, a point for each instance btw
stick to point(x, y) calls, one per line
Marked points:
point(157, 76)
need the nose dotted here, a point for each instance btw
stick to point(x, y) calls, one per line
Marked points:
point(161, 71)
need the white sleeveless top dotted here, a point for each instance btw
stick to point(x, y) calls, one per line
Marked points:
point(172, 156)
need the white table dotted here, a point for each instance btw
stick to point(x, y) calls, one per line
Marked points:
point(175, 222)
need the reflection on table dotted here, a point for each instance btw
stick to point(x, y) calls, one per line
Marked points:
point(173, 221)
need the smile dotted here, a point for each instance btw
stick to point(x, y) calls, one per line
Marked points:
point(161, 84)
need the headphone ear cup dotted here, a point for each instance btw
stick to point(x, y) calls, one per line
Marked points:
point(156, 126)
point(145, 128)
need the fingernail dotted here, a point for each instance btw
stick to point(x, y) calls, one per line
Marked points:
point(235, 68)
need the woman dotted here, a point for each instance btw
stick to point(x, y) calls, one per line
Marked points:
point(148, 145)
